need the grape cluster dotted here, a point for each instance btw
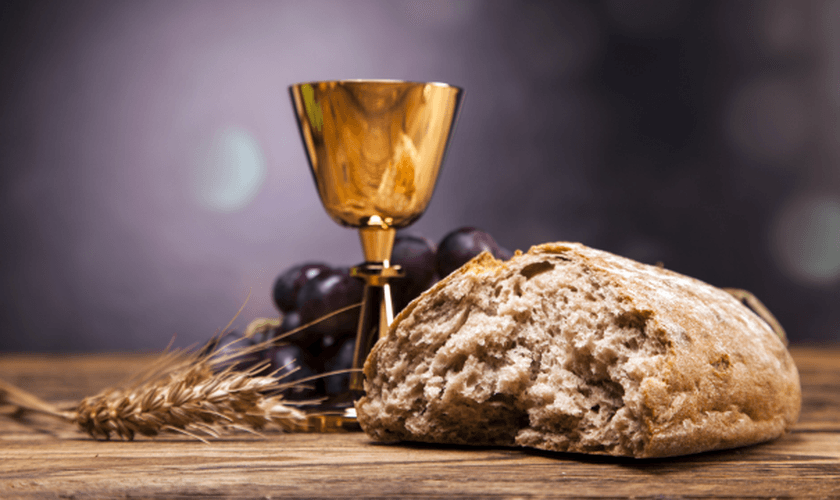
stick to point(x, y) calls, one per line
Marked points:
point(306, 292)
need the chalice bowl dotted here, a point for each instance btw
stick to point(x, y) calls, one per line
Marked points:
point(375, 149)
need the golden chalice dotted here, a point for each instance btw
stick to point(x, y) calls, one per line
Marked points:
point(375, 148)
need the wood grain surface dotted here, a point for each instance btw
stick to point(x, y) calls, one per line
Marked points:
point(44, 458)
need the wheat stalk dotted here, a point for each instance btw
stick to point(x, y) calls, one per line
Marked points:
point(180, 392)
point(193, 399)
point(195, 393)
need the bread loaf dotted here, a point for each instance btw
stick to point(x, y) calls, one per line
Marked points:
point(572, 349)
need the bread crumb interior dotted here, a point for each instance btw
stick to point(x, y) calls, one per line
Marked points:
point(522, 356)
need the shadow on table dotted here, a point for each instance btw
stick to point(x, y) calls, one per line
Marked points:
point(762, 452)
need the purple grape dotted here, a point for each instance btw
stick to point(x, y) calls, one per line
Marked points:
point(289, 361)
point(288, 284)
point(291, 321)
point(504, 254)
point(264, 335)
point(328, 292)
point(417, 256)
point(226, 352)
point(461, 245)
point(341, 360)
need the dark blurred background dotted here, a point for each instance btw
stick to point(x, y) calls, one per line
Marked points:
point(151, 173)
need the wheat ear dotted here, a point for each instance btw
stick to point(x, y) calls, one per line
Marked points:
point(196, 393)
point(195, 400)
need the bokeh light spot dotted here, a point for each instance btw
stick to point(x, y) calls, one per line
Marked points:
point(807, 239)
point(229, 172)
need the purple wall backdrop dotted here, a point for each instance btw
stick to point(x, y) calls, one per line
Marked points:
point(151, 175)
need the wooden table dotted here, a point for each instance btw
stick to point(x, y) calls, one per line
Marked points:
point(43, 458)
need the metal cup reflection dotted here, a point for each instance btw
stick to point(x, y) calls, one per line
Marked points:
point(375, 149)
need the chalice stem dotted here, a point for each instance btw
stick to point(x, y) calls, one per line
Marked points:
point(377, 313)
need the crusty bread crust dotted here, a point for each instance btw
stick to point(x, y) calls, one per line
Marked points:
point(572, 349)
